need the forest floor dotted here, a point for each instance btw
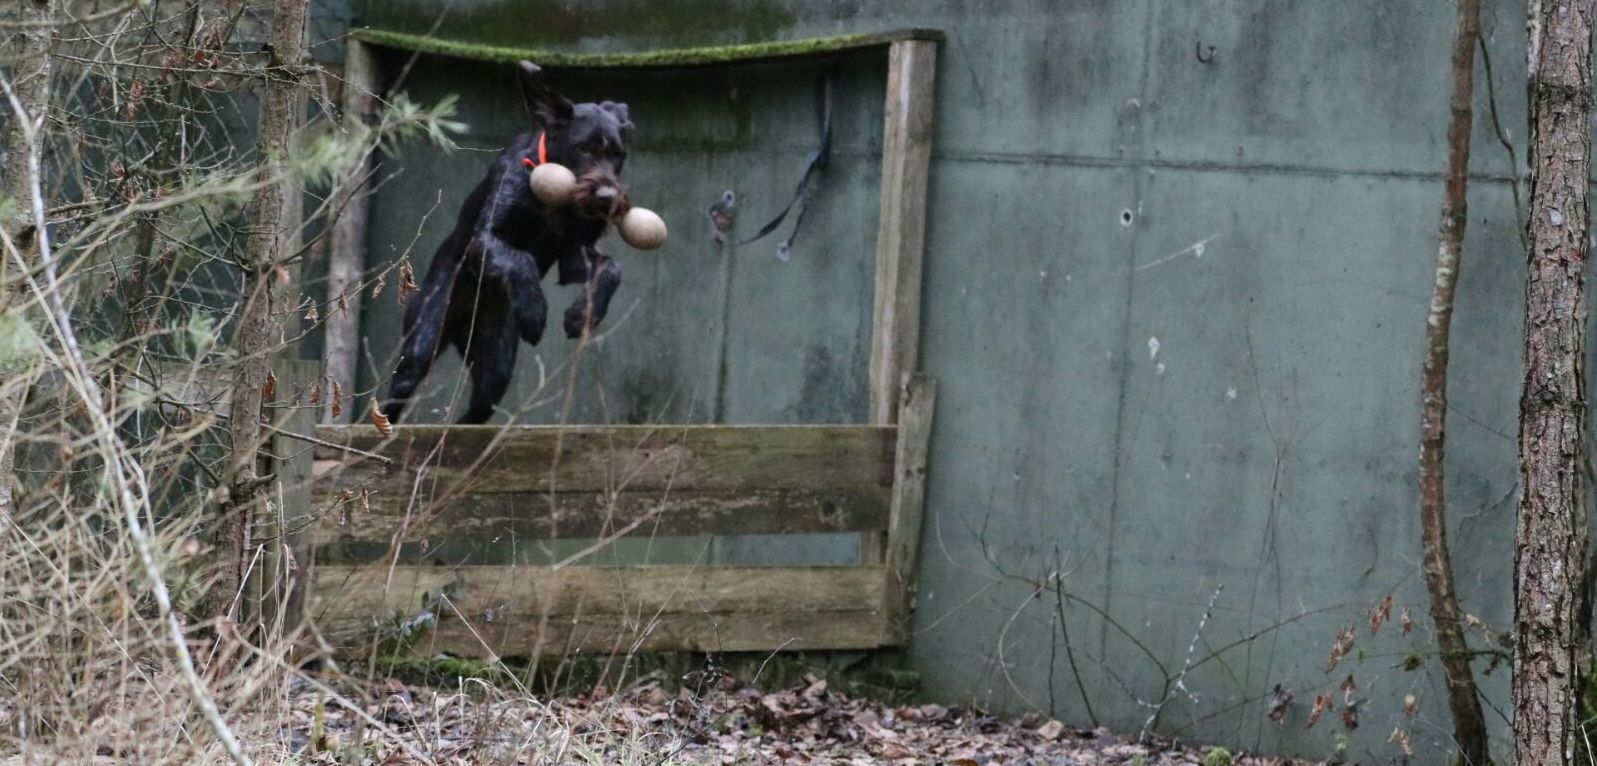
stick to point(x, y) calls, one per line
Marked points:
point(727, 723)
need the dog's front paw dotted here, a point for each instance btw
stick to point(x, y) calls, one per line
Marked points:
point(578, 319)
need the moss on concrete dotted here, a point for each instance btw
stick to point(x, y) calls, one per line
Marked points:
point(560, 23)
point(674, 57)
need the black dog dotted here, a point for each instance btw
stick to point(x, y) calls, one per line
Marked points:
point(482, 292)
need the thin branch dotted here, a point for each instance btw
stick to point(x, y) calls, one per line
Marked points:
point(1469, 722)
point(1179, 683)
point(1516, 172)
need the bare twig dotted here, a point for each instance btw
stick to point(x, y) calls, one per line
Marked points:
point(1179, 683)
point(1515, 170)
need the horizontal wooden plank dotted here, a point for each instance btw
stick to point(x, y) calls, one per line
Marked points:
point(612, 634)
point(524, 609)
point(533, 591)
point(492, 459)
point(387, 510)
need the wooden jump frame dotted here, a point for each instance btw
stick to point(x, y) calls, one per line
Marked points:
point(381, 503)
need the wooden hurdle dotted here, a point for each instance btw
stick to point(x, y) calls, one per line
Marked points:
point(383, 505)
point(366, 558)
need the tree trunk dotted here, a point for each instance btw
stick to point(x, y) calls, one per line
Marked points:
point(1550, 539)
point(28, 70)
point(253, 337)
point(1469, 723)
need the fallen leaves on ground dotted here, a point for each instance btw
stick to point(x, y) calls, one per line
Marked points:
point(725, 723)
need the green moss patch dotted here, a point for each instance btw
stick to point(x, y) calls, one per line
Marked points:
point(669, 58)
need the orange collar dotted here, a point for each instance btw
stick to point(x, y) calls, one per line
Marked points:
point(543, 152)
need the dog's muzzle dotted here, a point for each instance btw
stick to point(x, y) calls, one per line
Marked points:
point(600, 195)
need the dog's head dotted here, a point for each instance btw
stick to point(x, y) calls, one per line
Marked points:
point(590, 139)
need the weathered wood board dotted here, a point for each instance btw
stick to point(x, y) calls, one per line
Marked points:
point(522, 610)
point(901, 238)
point(916, 408)
point(547, 482)
point(391, 515)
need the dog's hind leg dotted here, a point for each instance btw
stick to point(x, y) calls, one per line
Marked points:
point(492, 360)
point(424, 331)
point(591, 305)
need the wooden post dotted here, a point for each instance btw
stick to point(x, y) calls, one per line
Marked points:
point(901, 235)
point(276, 588)
point(346, 262)
point(909, 496)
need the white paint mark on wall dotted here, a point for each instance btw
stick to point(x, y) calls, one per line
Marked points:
point(1195, 249)
point(1231, 393)
point(1158, 369)
point(1153, 348)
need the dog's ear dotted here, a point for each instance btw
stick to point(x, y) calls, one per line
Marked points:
point(619, 111)
point(549, 108)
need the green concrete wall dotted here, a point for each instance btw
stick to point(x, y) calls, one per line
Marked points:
point(1175, 307)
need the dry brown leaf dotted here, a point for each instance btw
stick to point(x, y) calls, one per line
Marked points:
point(1411, 705)
point(381, 421)
point(1381, 613)
point(1321, 702)
point(270, 387)
point(1348, 687)
point(316, 394)
point(1400, 736)
point(1406, 621)
point(1343, 644)
point(135, 98)
point(1280, 701)
point(1051, 730)
point(1350, 716)
point(407, 281)
point(343, 303)
point(894, 751)
point(338, 398)
point(382, 281)
point(313, 316)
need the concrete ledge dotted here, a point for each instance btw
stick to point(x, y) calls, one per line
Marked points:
point(656, 59)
